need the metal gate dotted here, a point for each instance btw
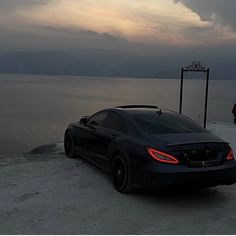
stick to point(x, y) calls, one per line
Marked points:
point(195, 67)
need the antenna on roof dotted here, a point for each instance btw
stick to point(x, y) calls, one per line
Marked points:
point(159, 111)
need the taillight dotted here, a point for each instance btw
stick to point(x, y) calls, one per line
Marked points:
point(162, 157)
point(230, 155)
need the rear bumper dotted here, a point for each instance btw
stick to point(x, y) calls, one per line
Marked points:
point(168, 175)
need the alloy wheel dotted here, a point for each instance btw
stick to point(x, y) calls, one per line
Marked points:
point(119, 173)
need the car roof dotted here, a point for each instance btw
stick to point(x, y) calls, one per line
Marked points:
point(141, 109)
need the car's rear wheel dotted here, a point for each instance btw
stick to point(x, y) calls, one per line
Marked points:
point(69, 144)
point(120, 174)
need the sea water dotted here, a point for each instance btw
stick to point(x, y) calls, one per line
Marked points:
point(35, 110)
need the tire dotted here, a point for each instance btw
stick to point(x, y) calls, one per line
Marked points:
point(120, 174)
point(69, 144)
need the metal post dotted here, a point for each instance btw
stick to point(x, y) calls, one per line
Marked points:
point(206, 97)
point(181, 91)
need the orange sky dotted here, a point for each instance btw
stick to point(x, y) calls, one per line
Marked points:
point(135, 20)
point(142, 20)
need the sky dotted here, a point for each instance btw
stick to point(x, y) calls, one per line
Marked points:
point(173, 22)
point(146, 27)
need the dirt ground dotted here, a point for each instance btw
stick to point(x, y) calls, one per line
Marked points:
point(46, 193)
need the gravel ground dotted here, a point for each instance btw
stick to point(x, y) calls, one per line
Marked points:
point(44, 192)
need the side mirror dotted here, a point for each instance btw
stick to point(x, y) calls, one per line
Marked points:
point(84, 120)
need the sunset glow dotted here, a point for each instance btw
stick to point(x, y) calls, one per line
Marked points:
point(169, 22)
point(146, 21)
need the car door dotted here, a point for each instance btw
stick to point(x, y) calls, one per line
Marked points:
point(88, 136)
point(111, 128)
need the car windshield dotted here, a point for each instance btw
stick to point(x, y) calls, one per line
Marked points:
point(166, 123)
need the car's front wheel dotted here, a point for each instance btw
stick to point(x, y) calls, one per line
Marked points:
point(120, 174)
point(69, 144)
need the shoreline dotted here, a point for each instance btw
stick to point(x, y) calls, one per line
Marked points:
point(224, 130)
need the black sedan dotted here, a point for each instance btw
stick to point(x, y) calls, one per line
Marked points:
point(144, 146)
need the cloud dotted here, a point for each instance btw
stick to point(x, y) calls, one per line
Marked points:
point(147, 21)
point(153, 22)
point(13, 4)
point(50, 38)
point(14, 14)
point(215, 11)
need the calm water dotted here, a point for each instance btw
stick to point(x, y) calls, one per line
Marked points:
point(36, 109)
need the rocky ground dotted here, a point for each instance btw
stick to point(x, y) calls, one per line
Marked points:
point(43, 192)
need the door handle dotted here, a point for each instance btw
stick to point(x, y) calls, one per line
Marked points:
point(114, 135)
point(92, 128)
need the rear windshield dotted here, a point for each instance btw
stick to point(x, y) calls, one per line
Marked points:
point(167, 123)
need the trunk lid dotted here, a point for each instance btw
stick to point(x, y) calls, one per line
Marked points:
point(188, 138)
point(196, 150)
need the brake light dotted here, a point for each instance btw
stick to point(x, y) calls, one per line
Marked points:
point(230, 155)
point(162, 157)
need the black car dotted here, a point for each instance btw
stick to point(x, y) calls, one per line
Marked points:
point(144, 146)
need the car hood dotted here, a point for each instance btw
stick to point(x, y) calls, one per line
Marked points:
point(188, 138)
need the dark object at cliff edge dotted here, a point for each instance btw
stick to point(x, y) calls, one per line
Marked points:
point(234, 112)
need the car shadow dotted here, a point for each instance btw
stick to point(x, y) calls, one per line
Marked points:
point(181, 196)
point(185, 196)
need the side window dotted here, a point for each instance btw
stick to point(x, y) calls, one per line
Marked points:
point(97, 119)
point(115, 122)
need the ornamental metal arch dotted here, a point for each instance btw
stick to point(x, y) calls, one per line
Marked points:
point(195, 67)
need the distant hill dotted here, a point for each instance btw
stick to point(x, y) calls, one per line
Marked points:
point(107, 63)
